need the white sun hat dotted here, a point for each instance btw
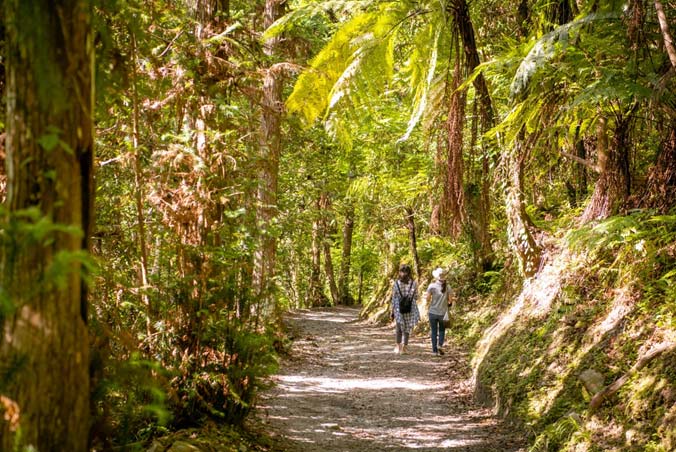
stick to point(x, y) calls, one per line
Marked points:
point(438, 273)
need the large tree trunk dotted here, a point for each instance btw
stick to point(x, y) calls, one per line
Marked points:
point(482, 236)
point(344, 278)
point(613, 186)
point(269, 148)
point(460, 10)
point(452, 208)
point(520, 226)
point(44, 341)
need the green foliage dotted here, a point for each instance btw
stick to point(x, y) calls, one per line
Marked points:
point(358, 59)
point(556, 435)
point(28, 229)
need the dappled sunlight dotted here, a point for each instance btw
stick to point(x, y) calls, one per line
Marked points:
point(299, 383)
point(535, 301)
point(622, 305)
point(352, 393)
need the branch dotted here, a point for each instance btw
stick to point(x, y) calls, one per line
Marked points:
point(171, 43)
point(664, 26)
point(156, 105)
point(580, 160)
point(611, 389)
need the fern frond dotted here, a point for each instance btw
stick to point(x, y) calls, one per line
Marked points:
point(352, 68)
point(310, 9)
point(422, 65)
point(548, 46)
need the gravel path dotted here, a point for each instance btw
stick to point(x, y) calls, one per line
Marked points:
point(343, 389)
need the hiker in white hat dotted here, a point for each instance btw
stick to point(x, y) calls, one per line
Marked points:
point(437, 296)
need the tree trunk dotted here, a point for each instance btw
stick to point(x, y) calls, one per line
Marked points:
point(613, 186)
point(660, 192)
point(44, 340)
point(139, 196)
point(452, 212)
point(520, 226)
point(315, 292)
point(412, 241)
point(486, 256)
point(269, 148)
point(344, 278)
point(360, 295)
point(664, 28)
point(466, 30)
point(325, 203)
point(460, 11)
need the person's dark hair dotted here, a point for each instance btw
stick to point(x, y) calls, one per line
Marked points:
point(443, 286)
point(405, 268)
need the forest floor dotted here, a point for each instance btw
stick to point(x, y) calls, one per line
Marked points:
point(343, 389)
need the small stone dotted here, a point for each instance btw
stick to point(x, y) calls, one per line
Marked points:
point(182, 446)
point(576, 417)
point(156, 446)
point(630, 436)
point(592, 380)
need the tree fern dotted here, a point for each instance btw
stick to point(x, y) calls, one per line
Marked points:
point(422, 65)
point(356, 63)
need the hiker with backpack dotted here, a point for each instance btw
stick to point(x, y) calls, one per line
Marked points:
point(437, 296)
point(404, 307)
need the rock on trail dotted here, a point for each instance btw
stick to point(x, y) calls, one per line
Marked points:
point(343, 389)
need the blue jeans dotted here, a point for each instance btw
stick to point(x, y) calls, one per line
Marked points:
point(437, 330)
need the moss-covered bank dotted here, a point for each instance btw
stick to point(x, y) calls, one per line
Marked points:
point(598, 319)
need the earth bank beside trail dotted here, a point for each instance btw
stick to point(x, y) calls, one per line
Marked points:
point(343, 389)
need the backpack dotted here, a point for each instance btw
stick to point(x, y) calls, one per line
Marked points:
point(405, 301)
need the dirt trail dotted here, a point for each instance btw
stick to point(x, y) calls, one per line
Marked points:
point(343, 389)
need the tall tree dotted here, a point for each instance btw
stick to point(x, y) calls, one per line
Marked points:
point(346, 257)
point(270, 148)
point(44, 347)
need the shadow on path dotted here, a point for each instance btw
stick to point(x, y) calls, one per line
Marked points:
point(343, 389)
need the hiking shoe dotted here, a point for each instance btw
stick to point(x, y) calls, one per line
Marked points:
point(397, 350)
point(441, 352)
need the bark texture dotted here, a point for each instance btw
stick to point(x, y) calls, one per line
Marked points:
point(521, 227)
point(660, 193)
point(480, 230)
point(269, 152)
point(613, 186)
point(44, 351)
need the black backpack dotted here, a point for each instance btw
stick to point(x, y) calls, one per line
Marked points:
point(405, 301)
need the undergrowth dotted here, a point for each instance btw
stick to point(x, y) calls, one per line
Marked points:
point(616, 298)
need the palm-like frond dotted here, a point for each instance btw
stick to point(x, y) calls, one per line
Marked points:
point(549, 46)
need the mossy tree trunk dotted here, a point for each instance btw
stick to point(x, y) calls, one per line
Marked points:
point(613, 185)
point(520, 226)
point(44, 351)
